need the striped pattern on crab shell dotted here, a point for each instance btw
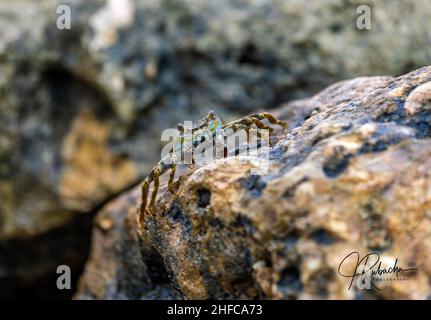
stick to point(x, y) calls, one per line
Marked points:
point(209, 131)
point(188, 141)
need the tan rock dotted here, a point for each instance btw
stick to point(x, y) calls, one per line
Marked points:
point(332, 189)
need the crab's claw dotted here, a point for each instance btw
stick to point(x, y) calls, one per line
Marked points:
point(210, 115)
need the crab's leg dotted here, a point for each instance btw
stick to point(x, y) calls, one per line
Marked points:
point(241, 126)
point(153, 176)
point(270, 117)
point(164, 165)
point(261, 125)
point(255, 119)
point(171, 178)
point(144, 194)
point(236, 126)
point(157, 174)
point(243, 123)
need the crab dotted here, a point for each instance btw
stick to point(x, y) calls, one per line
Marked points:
point(202, 130)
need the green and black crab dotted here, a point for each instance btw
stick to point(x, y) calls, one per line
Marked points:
point(202, 131)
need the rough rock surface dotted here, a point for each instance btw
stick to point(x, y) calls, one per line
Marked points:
point(353, 175)
point(120, 268)
point(81, 110)
point(98, 95)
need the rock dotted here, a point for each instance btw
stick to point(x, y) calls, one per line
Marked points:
point(99, 94)
point(81, 110)
point(354, 176)
point(118, 268)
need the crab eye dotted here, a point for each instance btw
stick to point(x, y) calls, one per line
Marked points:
point(180, 127)
point(211, 114)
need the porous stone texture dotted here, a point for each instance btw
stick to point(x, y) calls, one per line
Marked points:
point(352, 175)
point(81, 110)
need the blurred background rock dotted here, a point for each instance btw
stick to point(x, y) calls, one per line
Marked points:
point(81, 110)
